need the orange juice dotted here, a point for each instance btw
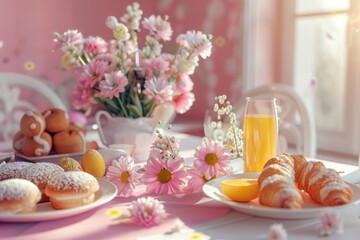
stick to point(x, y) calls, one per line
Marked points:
point(260, 141)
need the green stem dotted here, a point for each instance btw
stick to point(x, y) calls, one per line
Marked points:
point(152, 107)
point(122, 107)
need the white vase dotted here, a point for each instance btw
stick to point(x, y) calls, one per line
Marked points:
point(139, 131)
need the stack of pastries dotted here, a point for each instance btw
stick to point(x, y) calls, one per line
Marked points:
point(40, 133)
point(278, 189)
point(23, 185)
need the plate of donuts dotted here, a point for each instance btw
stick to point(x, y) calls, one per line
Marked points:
point(46, 212)
point(310, 210)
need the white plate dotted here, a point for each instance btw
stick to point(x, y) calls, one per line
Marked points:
point(46, 212)
point(53, 158)
point(310, 210)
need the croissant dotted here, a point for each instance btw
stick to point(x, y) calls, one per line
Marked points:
point(324, 185)
point(276, 181)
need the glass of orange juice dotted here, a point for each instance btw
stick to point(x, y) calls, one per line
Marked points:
point(260, 133)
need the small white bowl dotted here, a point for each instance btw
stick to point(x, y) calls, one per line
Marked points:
point(109, 154)
point(128, 148)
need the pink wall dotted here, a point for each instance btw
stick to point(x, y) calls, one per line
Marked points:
point(26, 29)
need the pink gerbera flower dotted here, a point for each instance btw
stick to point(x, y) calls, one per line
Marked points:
point(158, 89)
point(113, 85)
point(197, 42)
point(124, 175)
point(82, 97)
point(158, 27)
point(147, 212)
point(277, 232)
point(212, 158)
point(196, 181)
point(184, 83)
point(183, 101)
point(164, 177)
point(69, 41)
point(94, 72)
point(95, 45)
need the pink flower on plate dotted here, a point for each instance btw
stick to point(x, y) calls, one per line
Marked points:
point(211, 158)
point(164, 176)
point(94, 72)
point(113, 85)
point(147, 211)
point(95, 45)
point(183, 101)
point(158, 89)
point(277, 232)
point(330, 222)
point(124, 174)
point(198, 42)
point(158, 27)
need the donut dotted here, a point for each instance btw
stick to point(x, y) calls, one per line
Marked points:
point(75, 127)
point(18, 141)
point(18, 196)
point(39, 145)
point(69, 141)
point(56, 120)
point(71, 189)
point(32, 124)
point(40, 173)
point(70, 164)
point(13, 170)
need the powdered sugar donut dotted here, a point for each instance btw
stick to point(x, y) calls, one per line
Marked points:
point(40, 174)
point(32, 124)
point(39, 145)
point(56, 120)
point(69, 141)
point(18, 196)
point(71, 189)
point(13, 170)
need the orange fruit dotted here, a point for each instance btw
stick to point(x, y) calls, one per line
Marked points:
point(93, 163)
point(240, 190)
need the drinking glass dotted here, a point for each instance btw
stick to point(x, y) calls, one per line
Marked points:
point(260, 133)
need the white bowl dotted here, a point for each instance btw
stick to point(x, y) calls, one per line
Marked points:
point(110, 154)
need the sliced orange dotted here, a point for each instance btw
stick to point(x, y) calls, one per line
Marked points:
point(240, 190)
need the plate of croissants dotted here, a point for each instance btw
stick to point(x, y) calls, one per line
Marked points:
point(290, 187)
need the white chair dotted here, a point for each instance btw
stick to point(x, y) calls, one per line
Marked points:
point(297, 132)
point(18, 94)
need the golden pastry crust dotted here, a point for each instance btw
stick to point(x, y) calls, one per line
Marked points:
point(32, 124)
point(39, 145)
point(69, 141)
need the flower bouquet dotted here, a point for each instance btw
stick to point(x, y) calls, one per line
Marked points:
point(125, 79)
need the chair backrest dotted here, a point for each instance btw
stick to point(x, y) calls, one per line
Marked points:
point(18, 94)
point(296, 126)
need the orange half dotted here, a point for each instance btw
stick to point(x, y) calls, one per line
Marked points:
point(240, 190)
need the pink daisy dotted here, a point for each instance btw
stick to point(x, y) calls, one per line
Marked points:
point(184, 83)
point(158, 89)
point(94, 72)
point(124, 175)
point(82, 97)
point(164, 177)
point(113, 85)
point(277, 232)
point(211, 158)
point(158, 27)
point(196, 181)
point(148, 211)
point(69, 41)
point(330, 222)
point(199, 43)
point(183, 101)
point(95, 45)
point(157, 64)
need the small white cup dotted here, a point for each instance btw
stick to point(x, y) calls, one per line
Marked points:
point(128, 148)
point(109, 154)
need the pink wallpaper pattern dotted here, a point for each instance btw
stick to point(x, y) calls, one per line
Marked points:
point(26, 34)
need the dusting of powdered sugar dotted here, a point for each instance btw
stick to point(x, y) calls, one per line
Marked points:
point(40, 173)
point(331, 173)
point(17, 189)
point(13, 169)
point(76, 180)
